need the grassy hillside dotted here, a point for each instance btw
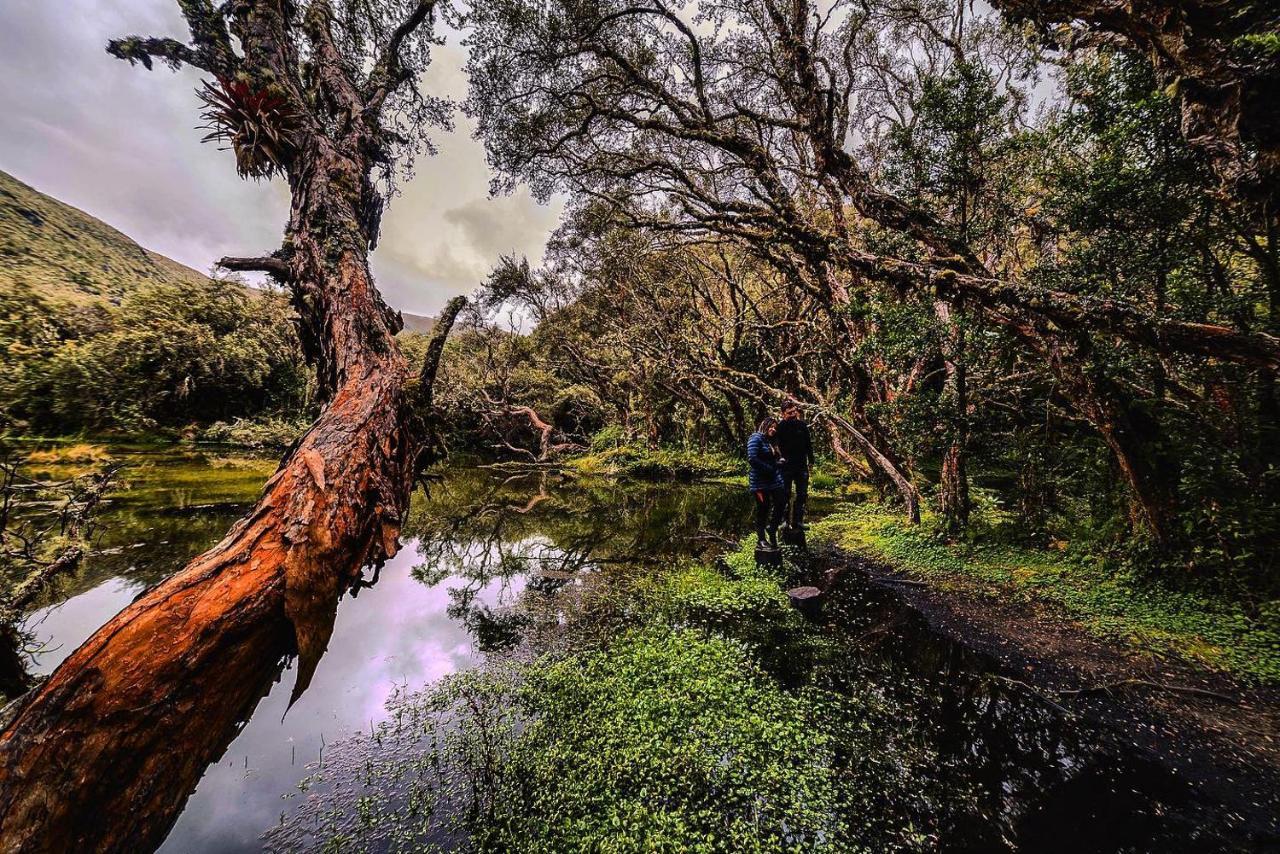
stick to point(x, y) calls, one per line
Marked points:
point(416, 324)
point(68, 256)
point(71, 257)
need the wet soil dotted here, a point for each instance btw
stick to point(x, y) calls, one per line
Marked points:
point(1217, 740)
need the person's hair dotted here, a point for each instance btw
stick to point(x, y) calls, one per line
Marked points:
point(789, 404)
point(769, 421)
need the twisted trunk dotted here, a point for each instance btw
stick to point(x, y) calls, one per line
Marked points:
point(953, 486)
point(878, 458)
point(1133, 437)
point(104, 755)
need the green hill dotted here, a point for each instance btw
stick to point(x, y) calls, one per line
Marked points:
point(71, 257)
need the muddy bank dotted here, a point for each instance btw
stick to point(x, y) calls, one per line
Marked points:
point(1216, 739)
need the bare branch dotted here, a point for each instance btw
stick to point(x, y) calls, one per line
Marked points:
point(389, 72)
point(276, 267)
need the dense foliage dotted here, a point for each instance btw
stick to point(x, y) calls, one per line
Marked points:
point(976, 263)
point(166, 357)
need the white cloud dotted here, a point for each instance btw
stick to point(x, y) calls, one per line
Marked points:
point(121, 143)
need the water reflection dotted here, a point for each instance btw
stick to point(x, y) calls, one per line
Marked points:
point(496, 563)
point(471, 548)
point(1014, 770)
point(994, 766)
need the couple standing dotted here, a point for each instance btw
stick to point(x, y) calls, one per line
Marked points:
point(779, 454)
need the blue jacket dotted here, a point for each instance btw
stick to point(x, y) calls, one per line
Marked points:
point(764, 472)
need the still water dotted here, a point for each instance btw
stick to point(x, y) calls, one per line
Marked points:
point(413, 626)
point(1010, 770)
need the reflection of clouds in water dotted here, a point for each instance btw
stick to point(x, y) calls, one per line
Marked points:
point(63, 627)
point(402, 634)
point(397, 632)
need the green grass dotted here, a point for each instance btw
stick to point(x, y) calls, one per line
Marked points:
point(1208, 630)
point(621, 460)
point(69, 256)
point(642, 463)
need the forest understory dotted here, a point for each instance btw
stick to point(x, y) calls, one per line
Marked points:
point(1015, 265)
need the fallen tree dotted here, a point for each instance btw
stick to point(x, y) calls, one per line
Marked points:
point(105, 753)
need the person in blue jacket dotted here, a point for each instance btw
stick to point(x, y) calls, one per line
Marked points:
point(764, 479)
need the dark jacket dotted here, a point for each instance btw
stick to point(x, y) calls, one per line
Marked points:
point(795, 443)
point(763, 472)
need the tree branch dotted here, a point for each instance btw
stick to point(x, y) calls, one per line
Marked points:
point(388, 72)
point(435, 349)
point(210, 49)
point(173, 53)
point(276, 267)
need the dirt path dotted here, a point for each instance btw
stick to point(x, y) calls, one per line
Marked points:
point(1219, 734)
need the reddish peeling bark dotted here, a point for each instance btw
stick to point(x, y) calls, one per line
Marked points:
point(953, 486)
point(104, 754)
point(856, 465)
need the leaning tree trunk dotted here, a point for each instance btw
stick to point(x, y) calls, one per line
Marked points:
point(953, 486)
point(104, 755)
point(906, 489)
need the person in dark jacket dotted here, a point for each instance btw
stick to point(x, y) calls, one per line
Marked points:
point(764, 479)
point(795, 444)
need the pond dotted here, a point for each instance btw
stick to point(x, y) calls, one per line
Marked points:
point(501, 570)
point(402, 631)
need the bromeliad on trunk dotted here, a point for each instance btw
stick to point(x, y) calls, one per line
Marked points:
point(104, 754)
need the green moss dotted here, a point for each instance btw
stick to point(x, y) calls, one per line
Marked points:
point(699, 589)
point(1209, 630)
point(1258, 46)
point(262, 432)
point(644, 463)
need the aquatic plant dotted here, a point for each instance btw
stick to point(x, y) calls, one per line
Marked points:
point(669, 729)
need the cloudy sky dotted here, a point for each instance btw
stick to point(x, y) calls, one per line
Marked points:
point(120, 142)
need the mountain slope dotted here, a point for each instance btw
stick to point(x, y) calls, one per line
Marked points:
point(74, 258)
point(70, 256)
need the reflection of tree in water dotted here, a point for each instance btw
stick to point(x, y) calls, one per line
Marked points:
point(480, 529)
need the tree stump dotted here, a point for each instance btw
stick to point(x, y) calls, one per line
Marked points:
point(793, 536)
point(768, 556)
point(807, 600)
